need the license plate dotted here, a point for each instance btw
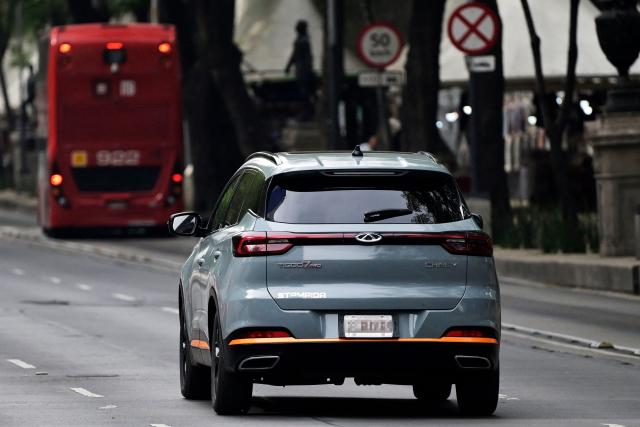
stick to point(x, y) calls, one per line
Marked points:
point(368, 326)
point(117, 205)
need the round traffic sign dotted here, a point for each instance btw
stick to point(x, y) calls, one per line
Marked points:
point(379, 45)
point(473, 28)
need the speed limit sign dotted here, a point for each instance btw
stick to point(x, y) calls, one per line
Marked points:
point(379, 45)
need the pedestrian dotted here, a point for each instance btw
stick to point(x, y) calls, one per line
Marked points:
point(302, 60)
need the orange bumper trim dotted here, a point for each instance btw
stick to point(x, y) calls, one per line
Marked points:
point(291, 340)
point(203, 345)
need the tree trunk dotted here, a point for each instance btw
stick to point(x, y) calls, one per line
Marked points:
point(420, 97)
point(555, 129)
point(3, 84)
point(214, 153)
point(486, 95)
point(216, 24)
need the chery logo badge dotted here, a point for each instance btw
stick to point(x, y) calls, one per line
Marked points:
point(368, 237)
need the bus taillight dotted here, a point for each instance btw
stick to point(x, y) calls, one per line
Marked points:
point(64, 48)
point(176, 178)
point(164, 48)
point(56, 180)
point(114, 46)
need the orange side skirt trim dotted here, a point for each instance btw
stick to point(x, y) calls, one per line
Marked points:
point(203, 345)
point(290, 340)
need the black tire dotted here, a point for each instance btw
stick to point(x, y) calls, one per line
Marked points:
point(54, 233)
point(194, 379)
point(478, 396)
point(230, 394)
point(436, 391)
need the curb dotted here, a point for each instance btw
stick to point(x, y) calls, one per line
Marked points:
point(73, 247)
point(15, 201)
point(573, 340)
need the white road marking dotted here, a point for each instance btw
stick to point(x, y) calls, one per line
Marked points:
point(123, 297)
point(159, 425)
point(507, 397)
point(613, 425)
point(18, 272)
point(170, 310)
point(108, 407)
point(54, 280)
point(83, 287)
point(85, 392)
point(20, 363)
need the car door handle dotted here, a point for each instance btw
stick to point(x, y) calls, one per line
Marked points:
point(216, 255)
point(200, 261)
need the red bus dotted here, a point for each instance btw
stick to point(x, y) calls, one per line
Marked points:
point(114, 154)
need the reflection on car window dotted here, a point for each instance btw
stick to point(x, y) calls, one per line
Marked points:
point(184, 224)
point(221, 209)
point(412, 198)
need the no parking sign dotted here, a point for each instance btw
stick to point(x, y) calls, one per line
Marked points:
point(473, 28)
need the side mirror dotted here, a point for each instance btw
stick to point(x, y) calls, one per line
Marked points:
point(185, 224)
point(478, 219)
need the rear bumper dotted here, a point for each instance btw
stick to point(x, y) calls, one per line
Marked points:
point(370, 362)
point(144, 212)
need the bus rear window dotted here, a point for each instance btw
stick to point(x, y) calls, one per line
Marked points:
point(404, 198)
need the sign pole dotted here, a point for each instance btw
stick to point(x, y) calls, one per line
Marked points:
point(334, 69)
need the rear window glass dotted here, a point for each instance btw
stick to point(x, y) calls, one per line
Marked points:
point(400, 198)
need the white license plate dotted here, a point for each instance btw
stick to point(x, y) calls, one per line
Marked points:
point(368, 326)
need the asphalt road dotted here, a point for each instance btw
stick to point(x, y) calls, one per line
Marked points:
point(74, 327)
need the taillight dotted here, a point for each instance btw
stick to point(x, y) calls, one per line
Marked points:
point(278, 243)
point(114, 45)
point(56, 180)
point(164, 48)
point(64, 48)
point(468, 243)
point(259, 243)
point(469, 333)
point(176, 178)
point(262, 333)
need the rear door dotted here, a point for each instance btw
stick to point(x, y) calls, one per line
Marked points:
point(366, 242)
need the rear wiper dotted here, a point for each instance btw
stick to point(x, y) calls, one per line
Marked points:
point(373, 216)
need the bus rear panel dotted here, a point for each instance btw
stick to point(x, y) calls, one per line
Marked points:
point(114, 149)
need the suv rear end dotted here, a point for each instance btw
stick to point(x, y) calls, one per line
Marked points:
point(369, 268)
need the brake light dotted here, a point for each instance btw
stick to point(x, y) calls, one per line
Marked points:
point(468, 243)
point(164, 48)
point(263, 333)
point(56, 180)
point(64, 48)
point(259, 243)
point(469, 333)
point(114, 45)
point(176, 178)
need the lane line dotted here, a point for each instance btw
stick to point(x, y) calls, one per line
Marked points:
point(571, 346)
point(108, 407)
point(52, 279)
point(123, 297)
point(20, 363)
point(170, 310)
point(83, 287)
point(18, 272)
point(85, 392)
point(159, 425)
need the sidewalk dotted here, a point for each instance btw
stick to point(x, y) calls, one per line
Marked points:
point(590, 271)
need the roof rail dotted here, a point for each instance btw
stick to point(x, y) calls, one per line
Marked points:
point(265, 155)
point(429, 155)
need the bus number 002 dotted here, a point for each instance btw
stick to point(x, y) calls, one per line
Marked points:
point(118, 158)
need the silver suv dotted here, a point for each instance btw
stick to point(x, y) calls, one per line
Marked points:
point(316, 267)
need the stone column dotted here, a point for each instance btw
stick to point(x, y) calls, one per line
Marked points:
point(615, 138)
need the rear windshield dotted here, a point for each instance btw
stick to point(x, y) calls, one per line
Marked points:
point(336, 198)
